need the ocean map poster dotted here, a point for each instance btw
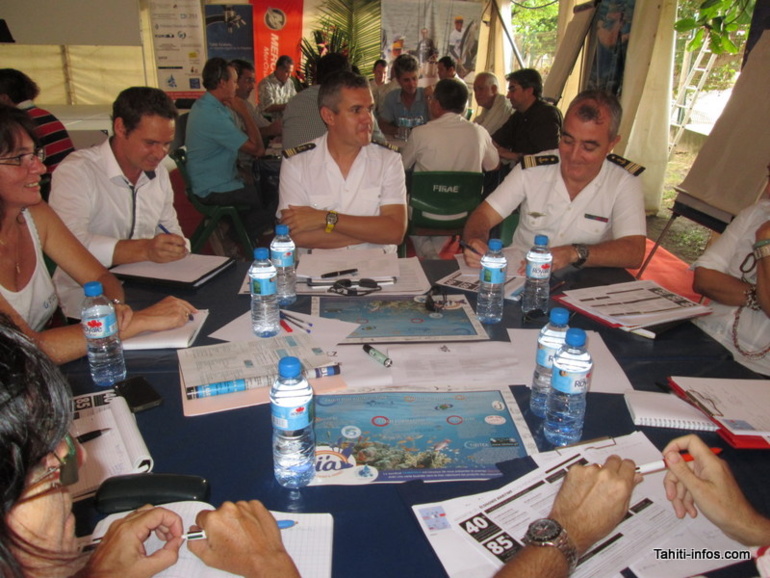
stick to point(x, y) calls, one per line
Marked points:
point(400, 320)
point(402, 436)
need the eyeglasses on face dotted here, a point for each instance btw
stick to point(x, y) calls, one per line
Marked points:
point(66, 471)
point(358, 288)
point(25, 159)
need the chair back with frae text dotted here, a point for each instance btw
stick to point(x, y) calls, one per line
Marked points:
point(442, 201)
point(212, 214)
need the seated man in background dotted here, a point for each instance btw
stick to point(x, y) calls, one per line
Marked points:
point(408, 102)
point(447, 68)
point(448, 142)
point(496, 109)
point(277, 89)
point(116, 197)
point(301, 120)
point(214, 141)
point(588, 203)
point(534, 126)
point(342, 190)
point(734, 273)
point(379, 84)
point(19, 90)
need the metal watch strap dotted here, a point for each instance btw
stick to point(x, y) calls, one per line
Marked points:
point(762, 252)
point(582, 252)
point(561, 542)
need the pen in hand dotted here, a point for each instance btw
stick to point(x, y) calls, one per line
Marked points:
point(660, 465)
point(465, 245)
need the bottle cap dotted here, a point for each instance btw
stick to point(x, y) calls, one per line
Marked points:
point(261, 253)
point(575, 337)
point(495, 244)
point(282, 229)
point(289, 367)
point(93, 288)
point(541, 240)
point(559, 316)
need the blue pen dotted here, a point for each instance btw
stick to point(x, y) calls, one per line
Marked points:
point(223, 387)
point(286, 524)
point(162, 228)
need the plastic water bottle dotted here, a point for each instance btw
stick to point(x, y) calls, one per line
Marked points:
point(571, 377)
point(292, 410)
point(100, 326)
point(489, 304)
point(549, 342)
point(265, 317)
point(536, 289)
point(282, 250)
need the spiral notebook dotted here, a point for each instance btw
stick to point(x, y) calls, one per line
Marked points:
point(654, 409)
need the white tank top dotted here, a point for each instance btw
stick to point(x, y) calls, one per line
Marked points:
point(37, 301)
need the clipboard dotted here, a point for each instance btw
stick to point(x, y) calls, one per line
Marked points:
point(738, 441)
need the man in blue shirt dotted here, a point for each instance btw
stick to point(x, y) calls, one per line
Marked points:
point(213, 142)
point(407, 103)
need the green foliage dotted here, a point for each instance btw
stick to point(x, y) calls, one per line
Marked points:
point(720, 22)
point(351, 27)
point(534, 24)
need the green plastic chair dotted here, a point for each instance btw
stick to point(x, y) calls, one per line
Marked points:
point(212, 214)
point(440, 202)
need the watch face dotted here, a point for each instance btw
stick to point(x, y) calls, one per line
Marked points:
point(544, 530)
point(331, 218)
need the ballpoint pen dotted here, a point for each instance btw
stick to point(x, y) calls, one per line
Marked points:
point(660, 465)
point(465, 245)
point(162, 228)
point(339, 273)
point(91, 435)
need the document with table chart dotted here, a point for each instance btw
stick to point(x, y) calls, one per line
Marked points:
point(475, 535)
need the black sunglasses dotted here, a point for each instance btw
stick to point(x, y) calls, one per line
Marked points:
point(357, 288)
point(433, 305)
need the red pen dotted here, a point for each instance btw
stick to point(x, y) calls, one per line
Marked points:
point(286, 326)
point(661, 464)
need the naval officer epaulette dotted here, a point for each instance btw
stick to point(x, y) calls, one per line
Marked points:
point(529, 161)
point(634, 168)
point(288, 153)
point(387, 145)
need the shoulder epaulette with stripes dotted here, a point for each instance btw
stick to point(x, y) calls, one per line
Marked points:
point(288, 153)
point(386, 145)
point(632, 167)
point(529, 161)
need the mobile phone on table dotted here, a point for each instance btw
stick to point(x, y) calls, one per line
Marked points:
point(139, 393)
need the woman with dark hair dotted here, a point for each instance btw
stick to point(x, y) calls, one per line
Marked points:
point(28, 229)
point(38, 459)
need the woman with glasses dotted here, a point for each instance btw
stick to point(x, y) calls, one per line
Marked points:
point(29, 228)
point(734, 273)
point(38, 459)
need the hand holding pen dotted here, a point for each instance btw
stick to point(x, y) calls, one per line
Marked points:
point(473, 252)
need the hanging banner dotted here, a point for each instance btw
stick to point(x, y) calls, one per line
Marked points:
point(177, 34)
point(229, 31)
point(429, 30)
point(277, 31)
point(612, 31)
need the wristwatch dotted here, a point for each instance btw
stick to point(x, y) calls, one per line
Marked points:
point(582, 252)
point(548, 532)
point(331, 220)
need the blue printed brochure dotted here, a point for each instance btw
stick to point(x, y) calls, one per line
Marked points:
point(402, 436)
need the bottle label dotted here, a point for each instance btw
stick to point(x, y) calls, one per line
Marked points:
point(571, 382)
point(545, 355)
point(292, 418)
point(490, 275)
point(263, 286)
point(282, 258)
point(100, 327)
point(538, 270)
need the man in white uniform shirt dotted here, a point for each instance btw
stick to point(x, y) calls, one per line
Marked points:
point(342, 190)
point(588, 203)
point(117, 197)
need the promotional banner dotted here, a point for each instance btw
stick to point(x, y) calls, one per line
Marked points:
point(229, 31)
point(277, 31)
point(612, 30)
point(429, 30)
point(177, 33)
